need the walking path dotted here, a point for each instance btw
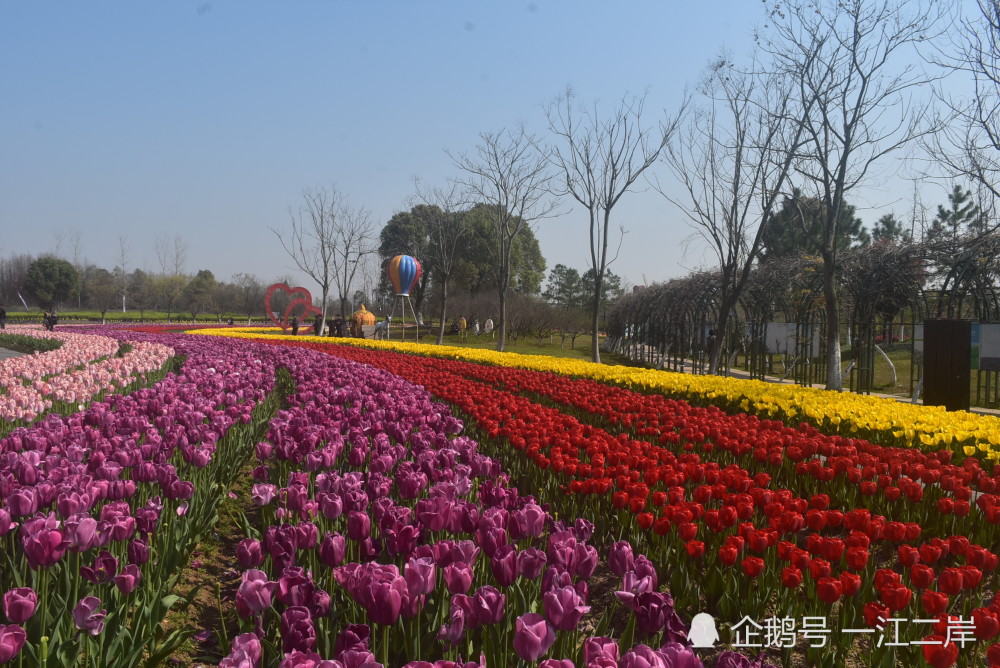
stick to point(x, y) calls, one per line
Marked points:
point(7, 354)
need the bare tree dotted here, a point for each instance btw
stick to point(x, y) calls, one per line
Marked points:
point(122, 266)
point(844, 55)
point(446, 230)
point(508, 175)
point(251, 293)
point(732, 160)
point(599, 158)
point(327, 241)
point(969, 144)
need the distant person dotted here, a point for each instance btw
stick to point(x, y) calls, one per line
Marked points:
point(488, 326)
point(338, 326)
point(463, 327)
point(381, 328)
point(475, 327)
point(3, 317)
point(295, 325)
point(317, 325)
point(230, 322)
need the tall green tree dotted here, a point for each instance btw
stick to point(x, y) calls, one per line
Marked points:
point(199, 292)
point(476, 267)
point(611, 286)
point(410, 233)
point(961, 216)
point(564, 287)
point(889, 229)
point(797, 228)
point(52, 281)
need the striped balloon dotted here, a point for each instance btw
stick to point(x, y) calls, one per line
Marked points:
point(404, 272)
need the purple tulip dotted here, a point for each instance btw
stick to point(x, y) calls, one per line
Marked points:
point(330, 505)
point(249, 553)
point(621, 558)
point(320, 604)
point(586, 561)
point(295, 587)
point(44, 548)
point(19, 604)
point(297, 630)
point(246, 652)
point(527, 522)
point(492, 539)
point(138, 552)
point(22, 502)
point(533, 636)
point(12, 639)
point(504, 565)
point(299, 659)
point(595, 648)
point(680, 656)
point(105, 567)
point(306, 535)
point(583, 529)
point(332, 550)
point(452, 632)
point(254, 594)
point(6, 523)
point(358, 525)
point(128, 579)
point(420, 575)
point(642, 656)
point(531, 562)
point(458, 577)
point(87, 618)
point(383, 600)
point(489, 605)
point(354, 637)
point(564, 608)
point(557, 663)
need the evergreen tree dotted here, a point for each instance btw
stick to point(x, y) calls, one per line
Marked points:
point(961, 216)
point(797, 227)
point(889, 229)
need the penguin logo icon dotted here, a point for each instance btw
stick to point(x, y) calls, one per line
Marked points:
point(703, 632)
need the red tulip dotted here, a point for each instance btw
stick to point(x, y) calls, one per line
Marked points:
point(851, 583)
point(728, 555)
point(829, 590)
point(934, 602)
point(791, 577)
point(938, 654)
point(752, 566)
point(921, 576)
point(950, 581)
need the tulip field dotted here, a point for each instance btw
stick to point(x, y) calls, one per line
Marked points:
point(406, 505)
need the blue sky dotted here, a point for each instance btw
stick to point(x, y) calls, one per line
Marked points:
point(208, 119)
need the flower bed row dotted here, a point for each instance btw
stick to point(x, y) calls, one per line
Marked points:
point(102, 508)
point(738, 514)
point(386, 536)
point(884, 421)
point(85, 366)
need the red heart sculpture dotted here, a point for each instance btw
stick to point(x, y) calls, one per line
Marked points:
point(301, 297)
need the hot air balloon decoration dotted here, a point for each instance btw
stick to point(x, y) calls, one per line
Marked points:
point(404, 272)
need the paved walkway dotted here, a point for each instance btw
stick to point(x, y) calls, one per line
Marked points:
point(6, 354)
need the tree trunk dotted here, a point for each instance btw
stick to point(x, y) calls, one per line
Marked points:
point(444, 309)
point(502, 321)
point(834, 377)
point(595, 321)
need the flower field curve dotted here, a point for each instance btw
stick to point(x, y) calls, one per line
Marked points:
point(83, 367)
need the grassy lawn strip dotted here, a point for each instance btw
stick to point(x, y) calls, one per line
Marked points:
point(28, 344)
